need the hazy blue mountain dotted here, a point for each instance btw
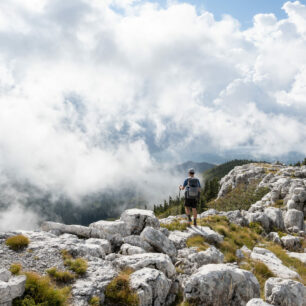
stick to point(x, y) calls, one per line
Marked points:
point(199, 167)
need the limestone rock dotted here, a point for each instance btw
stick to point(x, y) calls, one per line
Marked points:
point(137, 219)
point(275, 217)
point(157, 261)
point(79, 230)
point(291, 243)
point(273, 236)
point(10, 287)
point(211, 255)
point(158, 241)
point(237, 218)
point(261, 218)
point(273, 263)
point(103, 243)
point(221, 284)
point(209, 235)
point(127, 249)
point(257, 302)
point(179, 238)
point(300, 256)
point(293, 218)
point(111, 227)
point(285, 292)
point(139, 242)
point(151, 286)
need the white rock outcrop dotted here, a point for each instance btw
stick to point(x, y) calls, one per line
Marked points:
point(257, 302)
point(137, 219)
point(273, 263)
point(151, 286)
point(285, 292)
point(10, 286)
point(221, 284)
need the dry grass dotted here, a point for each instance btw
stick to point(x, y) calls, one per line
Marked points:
point(94, 301)
point(175, 225)
point(197, 241)
point(118, 291)
point(234, 236)
point(291, 263)
point(17, 242)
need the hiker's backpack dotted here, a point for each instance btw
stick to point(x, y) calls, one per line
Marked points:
point(193, 188)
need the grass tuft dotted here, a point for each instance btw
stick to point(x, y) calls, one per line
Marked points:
point(17, 242)
point(15, 268)
point(61, 276)
point(78, 265)
point(118, 291)
point(40, 291)
point(94, 301)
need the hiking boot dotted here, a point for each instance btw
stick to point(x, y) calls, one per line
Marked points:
point(195, 222)
point(189, 218)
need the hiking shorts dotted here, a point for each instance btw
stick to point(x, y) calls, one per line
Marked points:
point(192, 203)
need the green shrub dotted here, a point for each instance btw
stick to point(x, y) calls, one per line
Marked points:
point(40, 291)
point(256, 227)
point(16, 268)
point(78, 265)
point(61, 276)
point(118, 291)
point(17, 242)
point(94, 301)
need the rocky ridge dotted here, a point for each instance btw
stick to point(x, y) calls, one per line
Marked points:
point(163, 264)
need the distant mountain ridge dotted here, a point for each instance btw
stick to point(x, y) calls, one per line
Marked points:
point(198, 167)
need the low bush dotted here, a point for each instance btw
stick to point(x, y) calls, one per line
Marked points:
point(17, 242)
point(118, 291)
point(40, 291)
point(15, 268)
point(61, 276)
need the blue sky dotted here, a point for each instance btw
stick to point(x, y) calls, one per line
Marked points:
point(243, 10)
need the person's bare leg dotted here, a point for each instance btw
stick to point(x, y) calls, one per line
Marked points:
point(194, 211)
point(187, 210)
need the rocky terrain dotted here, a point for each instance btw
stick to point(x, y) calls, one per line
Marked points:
point(253, 257)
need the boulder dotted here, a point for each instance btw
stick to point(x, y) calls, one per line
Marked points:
point(273, 263)
point(127, 249)
point(139, 242)
point(5, 275)
point(273, 236)
point(103, 243)
point(275, 217)
point(137, 219)
point(210, 256)
point(157, 261)
point(111, 227)
point(285, 292)
point(300, 256)
point(179, 238)
point(159, 241)
point(257, 302)
point(209, 212)
point(261, 218)
point(291, 243)
point(236, 217)
point(294, 217)
point(151, 286)
point(11, 287)
point(221, 284)
point(209, 235)
point(86, 250)
point(79, 230)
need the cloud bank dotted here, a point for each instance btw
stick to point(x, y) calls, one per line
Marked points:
point(96, 93)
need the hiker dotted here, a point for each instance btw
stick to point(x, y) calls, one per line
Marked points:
point(192, 194)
